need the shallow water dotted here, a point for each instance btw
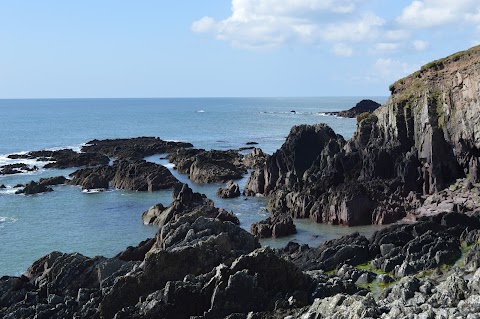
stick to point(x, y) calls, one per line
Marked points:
point(106, 223)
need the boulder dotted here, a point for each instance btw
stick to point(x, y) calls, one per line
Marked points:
point(275, 226)
point(231, 190)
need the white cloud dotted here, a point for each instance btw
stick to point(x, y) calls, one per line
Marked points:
point(205, 24)
point(340, 49)
point(434, 13)
point(270, 23)
point(366, 27)
point(420, 45)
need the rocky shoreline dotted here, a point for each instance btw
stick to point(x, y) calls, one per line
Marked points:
point(413, 160)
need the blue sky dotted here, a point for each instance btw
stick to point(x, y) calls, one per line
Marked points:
point(199, 48)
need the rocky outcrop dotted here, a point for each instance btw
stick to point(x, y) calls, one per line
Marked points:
point(274, 226)
point(185, 201)
point(65, 158)
point(129, 175)
point(50, 181)
point(34, 188)
point(93, 177)
point(208, 166)
point(364, 106)
point(142, 176)
point(420, 142)
point(255, 159)
point(231, 190)
point(11, 169)
point(205, 268)
point(133, 148)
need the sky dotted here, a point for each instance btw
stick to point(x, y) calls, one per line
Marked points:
point(222, 48)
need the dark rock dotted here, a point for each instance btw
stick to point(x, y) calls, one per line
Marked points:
point(191, 245)
point(11, 169)
point(57, 180)
point(255, 159)
point(251, 143)
point(136, 253)
point(93, 177)
point(3, 186)
point(185, 201)
point(142, 176)
point(68, 158)
point(351, 249)
point(361, 107)
point(231, 190)
point(274, 226)
point(34, 188)
point(133, 148)
point(209, 166)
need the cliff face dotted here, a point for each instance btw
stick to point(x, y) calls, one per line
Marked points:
point(425, 137)
point(437, 110)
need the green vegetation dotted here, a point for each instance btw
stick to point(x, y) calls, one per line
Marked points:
point(435, 100)
point(369, 117)
point(368, 267)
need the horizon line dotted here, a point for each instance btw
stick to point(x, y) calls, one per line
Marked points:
point(189, 97)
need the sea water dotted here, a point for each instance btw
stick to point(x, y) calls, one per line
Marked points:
point(106, 223)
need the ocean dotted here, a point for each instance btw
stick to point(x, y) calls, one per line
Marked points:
point(106, 223)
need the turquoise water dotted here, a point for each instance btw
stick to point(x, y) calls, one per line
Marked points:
point(106, 223)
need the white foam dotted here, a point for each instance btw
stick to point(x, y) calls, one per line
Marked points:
point(169, 165)
point(4, 220)
point(8, 191)
point(200, 111)
point(93, 190)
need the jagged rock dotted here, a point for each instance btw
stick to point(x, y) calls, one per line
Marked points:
point(136, 253)
point(231, 190)
point(185, 201)
point(142, 176)
point(274, 226)
point(341, 306)
point(3, 186)
point(254, 282)
point(34, 188)
point(351, 249)
point(255, 159)
point(191, 245)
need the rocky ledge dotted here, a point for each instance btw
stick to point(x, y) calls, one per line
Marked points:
point(209, 166)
